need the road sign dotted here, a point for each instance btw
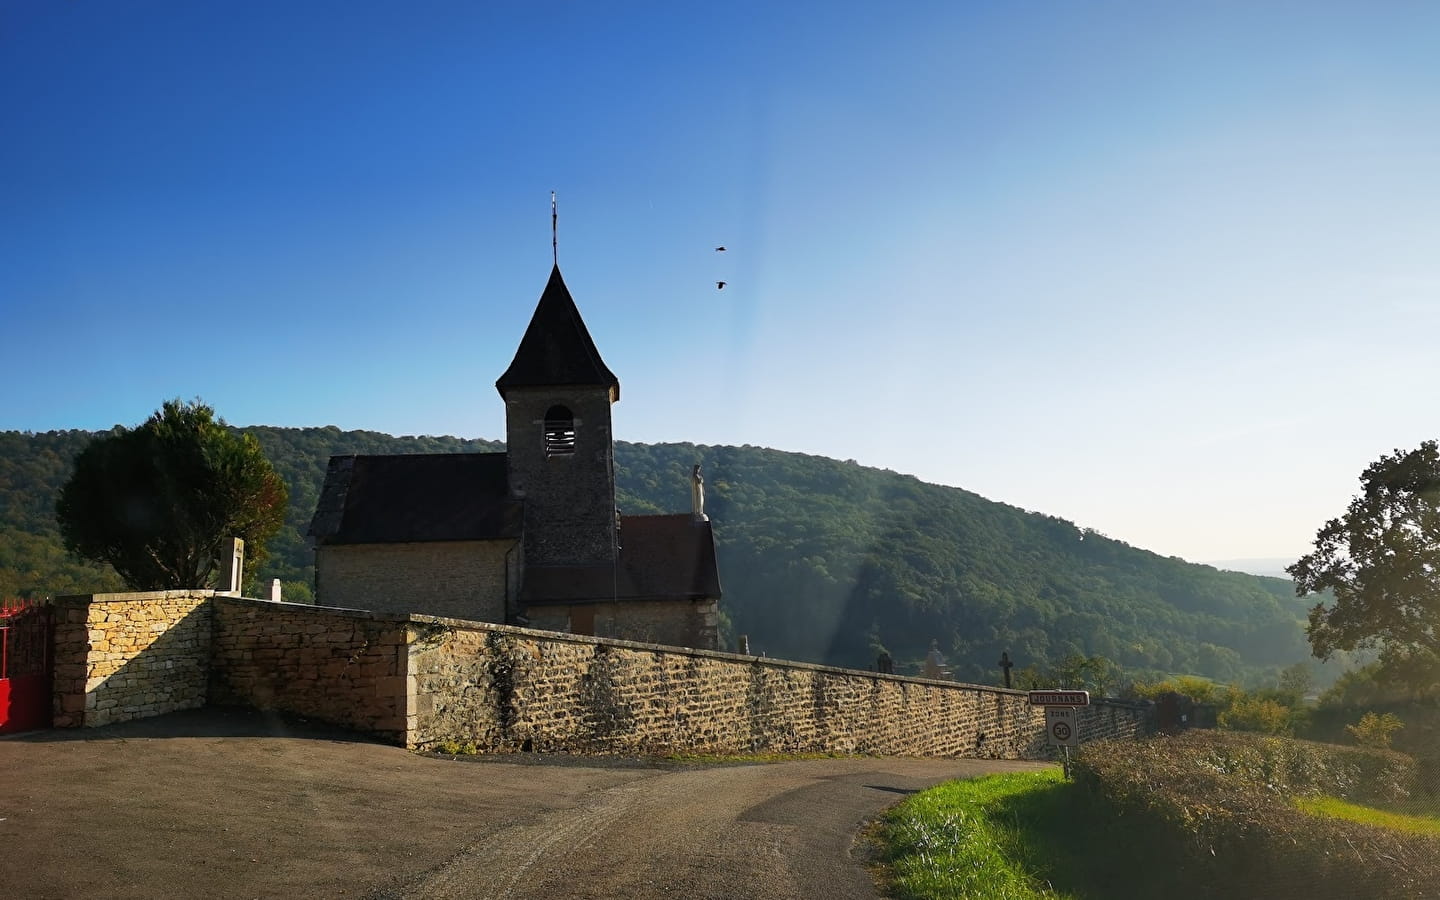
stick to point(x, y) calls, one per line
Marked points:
point(1059, 698)
point(1062, 725)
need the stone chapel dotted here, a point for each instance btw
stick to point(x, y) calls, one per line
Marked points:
point(530, 536)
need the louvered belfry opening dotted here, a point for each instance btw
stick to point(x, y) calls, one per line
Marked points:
point(559, 432)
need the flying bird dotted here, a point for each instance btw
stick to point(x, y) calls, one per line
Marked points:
point(720, 285)
point(719, 249)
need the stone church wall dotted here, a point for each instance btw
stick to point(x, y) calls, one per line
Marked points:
point(463, 579)
point(675, 623)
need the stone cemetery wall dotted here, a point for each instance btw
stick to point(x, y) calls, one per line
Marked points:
point(128, 656)
point(419, 681)
point(1106, 719)
point(515, 689)
point(341, 666)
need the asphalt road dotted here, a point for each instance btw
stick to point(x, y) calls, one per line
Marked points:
point(233, 804)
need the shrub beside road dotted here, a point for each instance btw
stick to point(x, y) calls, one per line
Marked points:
point(1207, 814)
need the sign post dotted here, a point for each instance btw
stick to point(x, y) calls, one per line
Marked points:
point(1062, 719)
point(1059, 698)
point(1062, 724)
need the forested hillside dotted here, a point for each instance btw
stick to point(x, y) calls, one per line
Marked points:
point(820, 560)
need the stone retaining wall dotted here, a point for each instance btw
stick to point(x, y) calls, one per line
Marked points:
point(420, 681)
point(511, 689)
point(127, 656)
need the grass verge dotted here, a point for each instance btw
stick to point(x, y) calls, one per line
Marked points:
point(953, 841)
point(1017, 837)
point(1335, 808)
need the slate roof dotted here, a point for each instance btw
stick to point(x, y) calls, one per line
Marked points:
point(556, 348)
point(661, 558)
point(416, 497)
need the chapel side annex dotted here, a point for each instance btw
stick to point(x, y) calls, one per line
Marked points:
point(530, 536)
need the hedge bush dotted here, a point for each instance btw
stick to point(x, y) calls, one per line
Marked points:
point(1222, 807)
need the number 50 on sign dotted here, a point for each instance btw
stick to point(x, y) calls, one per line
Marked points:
point(1062, 725)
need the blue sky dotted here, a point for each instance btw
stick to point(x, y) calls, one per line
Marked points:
point(1168, 270)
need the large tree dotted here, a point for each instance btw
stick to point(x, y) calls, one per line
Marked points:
point(1381, 561)
point(157, 501)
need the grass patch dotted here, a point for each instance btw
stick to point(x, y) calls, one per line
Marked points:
point(1335, 808)
point(947, 842)
point(1017, 837)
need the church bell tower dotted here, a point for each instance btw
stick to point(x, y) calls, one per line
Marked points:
point(560, 449)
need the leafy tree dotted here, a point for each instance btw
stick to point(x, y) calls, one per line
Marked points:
point(1092, 673)
point(1031, 678)
point(1251, 713)
point(297, 592)
point(1297, 680)
point(1375, 729)
point(1200, 690)
point(1366, 686)
point(1381, 560)
point(1096, 674)
point(156, 501)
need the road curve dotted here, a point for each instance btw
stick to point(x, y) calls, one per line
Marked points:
point(231, 804)
point(778, 830)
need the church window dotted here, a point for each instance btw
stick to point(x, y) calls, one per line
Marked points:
point(559, 432)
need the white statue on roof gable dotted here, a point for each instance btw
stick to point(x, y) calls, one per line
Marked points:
point(697, 495)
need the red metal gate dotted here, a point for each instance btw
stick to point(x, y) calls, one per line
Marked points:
point(25, 666)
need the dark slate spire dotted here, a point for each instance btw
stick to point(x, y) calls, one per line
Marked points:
point(557, 349)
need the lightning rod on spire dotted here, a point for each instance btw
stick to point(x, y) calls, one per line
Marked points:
point(554, 232)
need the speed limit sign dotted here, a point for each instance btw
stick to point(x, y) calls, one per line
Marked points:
point(1062, 724)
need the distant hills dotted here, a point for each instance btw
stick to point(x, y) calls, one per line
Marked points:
point(1269, 567)
point(821, 560)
